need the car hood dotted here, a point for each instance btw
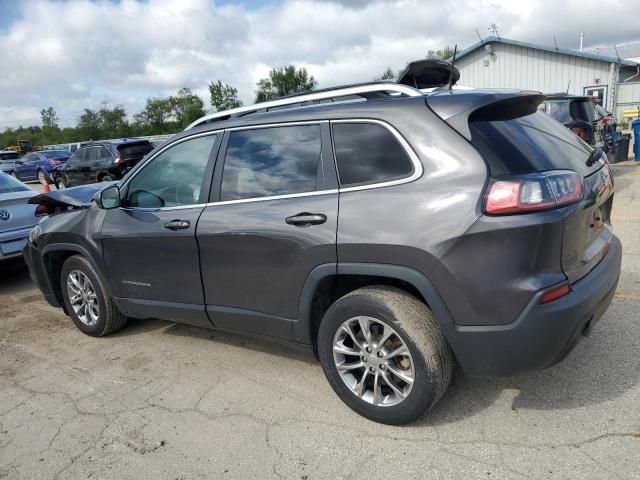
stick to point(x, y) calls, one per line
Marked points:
point(78, 197)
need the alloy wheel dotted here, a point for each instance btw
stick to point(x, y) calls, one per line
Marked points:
point(83, 297)
point(373, 361)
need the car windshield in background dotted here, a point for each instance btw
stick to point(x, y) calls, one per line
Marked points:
point(54, 153)
point(10, 185)
point(533, 143)
point(560, 111)
point(8, 156)
point(139, 149)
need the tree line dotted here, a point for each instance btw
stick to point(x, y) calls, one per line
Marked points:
point(167, 115)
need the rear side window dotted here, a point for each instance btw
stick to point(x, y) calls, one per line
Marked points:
point(368, 153)
point(139, 149)
point(267, 162)
point(529, 143)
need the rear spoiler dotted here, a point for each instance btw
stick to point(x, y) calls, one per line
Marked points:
point(457, 108)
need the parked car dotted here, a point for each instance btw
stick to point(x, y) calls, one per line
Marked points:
point(584, 117)
point(38, 165)
point(101, 162)
point(390, 235)
point(8, 160)
point(17, 216)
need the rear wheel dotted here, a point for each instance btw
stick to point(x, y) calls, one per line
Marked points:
point(384, 354)
point(107, 178)
point(86, 299)
point(60, 184)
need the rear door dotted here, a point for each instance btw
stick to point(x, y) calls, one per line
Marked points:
point(149, 243)
point(272, 219)
point(72, 169)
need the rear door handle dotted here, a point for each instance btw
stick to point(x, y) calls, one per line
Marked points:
point(305, 219)
point(177, 225)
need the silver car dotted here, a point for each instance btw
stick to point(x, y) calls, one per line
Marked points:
point(17, 217)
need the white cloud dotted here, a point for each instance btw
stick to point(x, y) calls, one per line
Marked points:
point(79, 53)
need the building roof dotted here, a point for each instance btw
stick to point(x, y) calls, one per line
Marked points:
point(562, 51)
point(627, 51)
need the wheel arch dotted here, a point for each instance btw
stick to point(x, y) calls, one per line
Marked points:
point(54, 255)
point(328, 282)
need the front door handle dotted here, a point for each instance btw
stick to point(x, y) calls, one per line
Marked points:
point(177, 225)
point(305, 219)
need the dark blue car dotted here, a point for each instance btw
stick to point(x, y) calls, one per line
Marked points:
point(38, 165)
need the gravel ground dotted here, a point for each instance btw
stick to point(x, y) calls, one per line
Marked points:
point(161, 400)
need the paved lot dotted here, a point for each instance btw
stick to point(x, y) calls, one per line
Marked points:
point(160, 400)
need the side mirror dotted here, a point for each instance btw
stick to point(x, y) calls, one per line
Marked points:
point(109, 198)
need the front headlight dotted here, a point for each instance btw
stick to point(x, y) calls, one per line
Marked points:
point(34, 234)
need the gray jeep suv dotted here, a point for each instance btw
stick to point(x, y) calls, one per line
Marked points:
point(391, 231)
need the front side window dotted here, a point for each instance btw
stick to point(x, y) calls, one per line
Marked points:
point(368, 153)
point(274, 161)
point(173, 178)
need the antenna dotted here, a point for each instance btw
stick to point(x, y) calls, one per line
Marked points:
point(479, 36)
point(568, 85)
point(555, 43)
point(494, 30)
point(616, 49)
point(453, 63)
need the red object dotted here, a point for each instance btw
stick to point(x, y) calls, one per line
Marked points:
point(533, 193)
point(42, 210)
point(581, 132)
point(555, 294)
point(46, 188)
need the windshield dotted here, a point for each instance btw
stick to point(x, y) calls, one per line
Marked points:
point(530, 143)
point(9, 184)
point(54, 153)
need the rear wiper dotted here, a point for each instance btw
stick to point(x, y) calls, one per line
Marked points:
point(594, 156)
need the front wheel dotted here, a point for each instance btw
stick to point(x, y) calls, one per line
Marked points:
point(107, 178)
point(86, 299)
point(384, 354)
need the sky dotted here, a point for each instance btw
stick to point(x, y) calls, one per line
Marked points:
point(76, 54)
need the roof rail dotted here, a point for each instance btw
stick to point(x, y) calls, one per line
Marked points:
point(367, 90)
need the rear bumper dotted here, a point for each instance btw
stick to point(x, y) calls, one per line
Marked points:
point(38, 273)
point(542, 335)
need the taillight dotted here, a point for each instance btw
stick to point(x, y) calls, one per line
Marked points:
point(533, 192)
point(53, 163)
point(581, 132)
point(120, 159)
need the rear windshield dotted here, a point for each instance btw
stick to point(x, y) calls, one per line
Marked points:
point(139, 149)
point(583, 110)
point(9, 184)
point(54, 153)
point(529, 143)
point(9, 156)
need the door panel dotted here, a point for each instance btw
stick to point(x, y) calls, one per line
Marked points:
point(273, 220)
point(149, 243)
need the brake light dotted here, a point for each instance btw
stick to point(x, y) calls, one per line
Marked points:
point(533, 192)
point(555, 294)
point(118, 160)
point(581, 132)
point(53, 163)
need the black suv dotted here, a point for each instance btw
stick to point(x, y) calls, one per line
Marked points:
point(392, 235)
point(100, 162)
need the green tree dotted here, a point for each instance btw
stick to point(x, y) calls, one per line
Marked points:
point(186, 107)
point(444, 54)
point(388, 74)
point(223, 96)
point(88, 126)
point(113, 122)
point(154, 117)
point(284, 81)
point(49, 118)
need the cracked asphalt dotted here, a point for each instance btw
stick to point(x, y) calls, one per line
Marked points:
point(166, 401)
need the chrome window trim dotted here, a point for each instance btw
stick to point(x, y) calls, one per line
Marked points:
point(417, 164)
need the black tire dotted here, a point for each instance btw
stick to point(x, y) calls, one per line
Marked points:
point(107, 178)
point(109, 318)
point(418, 329)
point(60, 184)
